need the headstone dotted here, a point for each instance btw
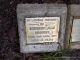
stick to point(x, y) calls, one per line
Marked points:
point(74, 26)
point(41, 27)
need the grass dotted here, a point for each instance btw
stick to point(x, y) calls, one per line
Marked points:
point(54, 55)
point(49, 56)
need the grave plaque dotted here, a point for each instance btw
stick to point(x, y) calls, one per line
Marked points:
point(76, 30)
point(41, 27)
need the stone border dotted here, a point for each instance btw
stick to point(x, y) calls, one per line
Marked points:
point(73, 12)
point(41, 10)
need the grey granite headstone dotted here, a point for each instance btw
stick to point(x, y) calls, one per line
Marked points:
point(27, 13)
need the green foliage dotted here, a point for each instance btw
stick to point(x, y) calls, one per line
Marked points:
point(53, 56)
point(58, 54)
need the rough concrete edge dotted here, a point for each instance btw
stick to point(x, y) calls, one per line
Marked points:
point(41, 4)
point(73, 12)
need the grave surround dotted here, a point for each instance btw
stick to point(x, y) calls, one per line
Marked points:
point(73, 25)
point(41, 10)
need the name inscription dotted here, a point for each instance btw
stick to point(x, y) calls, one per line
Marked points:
point(42, 29)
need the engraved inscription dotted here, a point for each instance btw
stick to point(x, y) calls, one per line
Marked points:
point(42, 29)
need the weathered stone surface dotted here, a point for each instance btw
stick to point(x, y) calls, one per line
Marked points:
point(41, 10)
point(73, 14)
point(74, 9)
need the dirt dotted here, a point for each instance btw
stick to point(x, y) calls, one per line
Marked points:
point(9, 39)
